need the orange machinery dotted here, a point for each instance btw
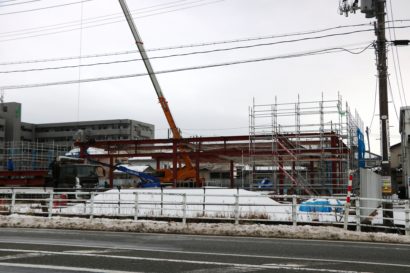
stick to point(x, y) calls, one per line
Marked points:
point(187, 172)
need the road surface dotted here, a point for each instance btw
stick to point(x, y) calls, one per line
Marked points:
point(63, 251)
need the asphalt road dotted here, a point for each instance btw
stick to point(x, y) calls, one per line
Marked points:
point(62, 251)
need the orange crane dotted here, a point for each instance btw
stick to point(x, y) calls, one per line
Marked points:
point(187, 172)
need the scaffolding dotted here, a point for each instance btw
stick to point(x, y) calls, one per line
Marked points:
point(312, 144)
point(29, 155)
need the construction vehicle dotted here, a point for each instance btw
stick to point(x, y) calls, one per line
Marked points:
point(146, 180)
point(73, 173)
point(184, 174)
point(64, 173)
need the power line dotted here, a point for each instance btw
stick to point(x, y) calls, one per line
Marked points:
point(18, 3)
point(43, 8)
point(398, 57)
point(189, 46)
point(249, 39)
point(394, 64)
point(374, 106)
point(94, 19)
point(155, 57)
point(308, 53)
point(113, 22)
point(392, 98)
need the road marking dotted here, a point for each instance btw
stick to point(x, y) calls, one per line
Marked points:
point(91, 251)
point(21, 256)
point(288, 265)
point(75, 269)
point(270, 266)
point(292, 258)
point(225, 270)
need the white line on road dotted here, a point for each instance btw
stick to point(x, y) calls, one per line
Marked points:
point(270, 266)
point(66, 268)
point(21, 256)
point(290, 258)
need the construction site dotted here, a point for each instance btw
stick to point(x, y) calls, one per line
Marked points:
point(303, 147)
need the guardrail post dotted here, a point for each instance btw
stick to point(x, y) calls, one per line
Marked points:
point(294, 211)
point(162, 200)
point(119, 200)
point(236, 210)
point(50, 204)
point(184, 208)
point(358, 218)
point(135, 206)
point(346, 220)
point(92, 206)
point(13, 201)
point(407, 217)
point(203, 203)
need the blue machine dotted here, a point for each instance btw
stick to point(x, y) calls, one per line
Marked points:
point(147, 180)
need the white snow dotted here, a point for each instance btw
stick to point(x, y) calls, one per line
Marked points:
point(208, 203)
point(200, 203)
point(216, 202)
point(254, 230)
point(92, 151)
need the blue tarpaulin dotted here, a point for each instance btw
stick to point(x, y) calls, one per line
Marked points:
point(319, 205)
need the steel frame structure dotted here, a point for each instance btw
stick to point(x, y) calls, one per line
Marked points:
point(313, 145)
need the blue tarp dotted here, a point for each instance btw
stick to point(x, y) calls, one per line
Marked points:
point(319, 205)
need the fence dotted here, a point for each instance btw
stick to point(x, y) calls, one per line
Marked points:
point(227, 205)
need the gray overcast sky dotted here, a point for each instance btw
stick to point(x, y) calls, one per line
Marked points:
point(212, 101)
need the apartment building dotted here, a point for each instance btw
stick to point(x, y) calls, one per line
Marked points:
point(13, 129)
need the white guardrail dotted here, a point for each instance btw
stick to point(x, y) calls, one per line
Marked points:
point(212, 204)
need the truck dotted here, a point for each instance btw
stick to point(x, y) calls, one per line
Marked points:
point(64, 173)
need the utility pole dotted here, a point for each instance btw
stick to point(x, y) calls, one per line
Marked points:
point(381, 51)
point(376, 8)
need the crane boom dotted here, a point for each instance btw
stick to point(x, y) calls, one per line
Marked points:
point(164, 104)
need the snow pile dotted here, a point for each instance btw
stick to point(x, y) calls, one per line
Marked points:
point(92, 151)
point(256, 230)
point(211, 202)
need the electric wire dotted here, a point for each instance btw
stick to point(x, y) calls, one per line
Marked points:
point(394, 64)
point(214, 43)
point(43, 8)
point(188, 45)
point(302, 54)
point(397, 54)
point(374, 105)
point(113, 22)
point(172, 47)
point(18, 3)
point(392, 98)
point(79, 63)
point(160, 57)
point(94, 19)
